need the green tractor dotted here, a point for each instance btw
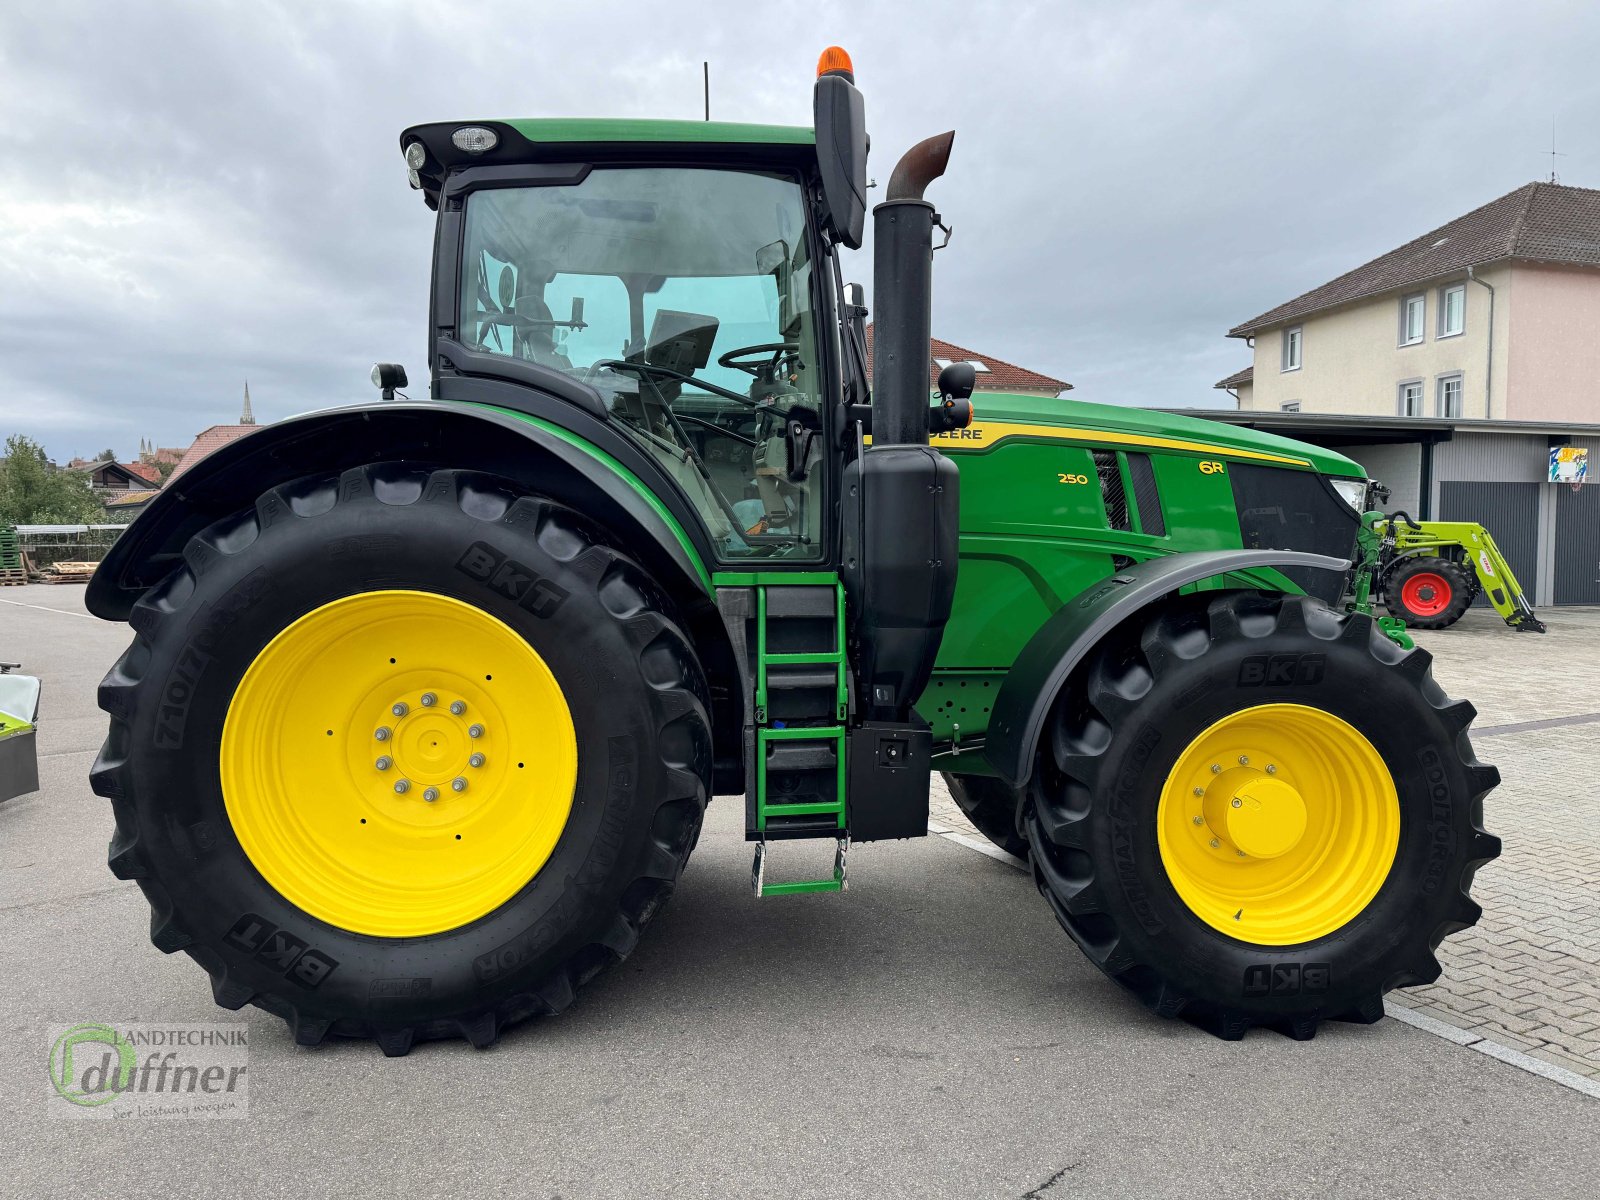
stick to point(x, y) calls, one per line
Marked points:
point(425, 699)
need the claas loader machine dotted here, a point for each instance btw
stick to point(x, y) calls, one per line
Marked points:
point(425, 698)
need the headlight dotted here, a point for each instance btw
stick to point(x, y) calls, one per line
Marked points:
point(475, 139)
point(1352, 491)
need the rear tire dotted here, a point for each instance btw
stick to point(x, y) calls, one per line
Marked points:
point(1112, 751)
point(1429, 593)
point(638, 717)
point(991, 806)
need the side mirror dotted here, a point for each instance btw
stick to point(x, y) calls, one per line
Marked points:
point(388, 376)
point(577, 313)
point(958, 381)
point(840, 118)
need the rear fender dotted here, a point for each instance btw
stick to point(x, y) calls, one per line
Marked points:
point(428, 433)
point(1065, 640)
point(540, 456)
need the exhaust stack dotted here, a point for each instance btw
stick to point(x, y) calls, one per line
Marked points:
point(902, 266)
point(902, 500)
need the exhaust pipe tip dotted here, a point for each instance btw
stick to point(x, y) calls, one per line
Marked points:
point(920, 166)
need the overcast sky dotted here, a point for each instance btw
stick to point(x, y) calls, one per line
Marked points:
point(216, 191)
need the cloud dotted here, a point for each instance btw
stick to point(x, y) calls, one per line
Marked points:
point(196, 193)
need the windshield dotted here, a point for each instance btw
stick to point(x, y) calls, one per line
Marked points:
point(684, 296)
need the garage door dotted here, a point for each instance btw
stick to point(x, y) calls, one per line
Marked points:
point(1577, 545)
point(1510, 512)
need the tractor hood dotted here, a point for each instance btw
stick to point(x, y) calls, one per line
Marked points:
point(998, 415)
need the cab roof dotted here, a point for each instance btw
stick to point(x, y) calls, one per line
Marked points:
point(598, 139)
point(630, 130)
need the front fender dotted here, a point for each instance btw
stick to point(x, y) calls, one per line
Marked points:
point(1061, 643)
point(430, 433)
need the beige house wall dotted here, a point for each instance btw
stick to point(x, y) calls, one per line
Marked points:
point(1352, 361)
point(1555, 345)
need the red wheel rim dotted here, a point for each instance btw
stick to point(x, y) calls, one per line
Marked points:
point(1426, 594)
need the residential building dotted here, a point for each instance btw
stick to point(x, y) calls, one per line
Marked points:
point(992, 374)
point(109, 477)
point(1492, 316)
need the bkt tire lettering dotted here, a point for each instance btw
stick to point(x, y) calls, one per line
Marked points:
point(279, 949)
point(1281, 670)
point(523, 585)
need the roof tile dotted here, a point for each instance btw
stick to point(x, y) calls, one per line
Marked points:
point(1541, 222)
point(1001, 376)
point(207, 441)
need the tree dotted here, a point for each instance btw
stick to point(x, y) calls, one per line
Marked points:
point(106, 456)
point(33, 492)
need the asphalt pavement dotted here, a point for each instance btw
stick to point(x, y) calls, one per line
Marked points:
point(931, 1033)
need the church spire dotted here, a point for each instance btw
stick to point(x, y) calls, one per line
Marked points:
point(246, 417)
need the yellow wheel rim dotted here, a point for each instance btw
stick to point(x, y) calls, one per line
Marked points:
point(398, 763)
point(1278, 824)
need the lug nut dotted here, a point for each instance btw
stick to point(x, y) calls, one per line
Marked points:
point(1199, 791)
point(384, 762)
point(400, 708)
point(475, 761)
point(475, 731)
point(430, 794)
point(458, 784)
point(1215, 843)
point(429, 699)
point(1199, 820)
point(382, 733)
point(402, 786)
point(458, 707)
point(1272, 769)
point(1241, 854)
point(1244, 760)
point(1216, 768)
point(1238, 803)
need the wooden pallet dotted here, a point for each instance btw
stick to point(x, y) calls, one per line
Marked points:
point(68, 572)
point(13, 577)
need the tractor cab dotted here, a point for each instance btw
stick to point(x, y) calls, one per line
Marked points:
point(675, 278)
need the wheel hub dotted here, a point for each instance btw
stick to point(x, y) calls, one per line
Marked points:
point(1266, 818)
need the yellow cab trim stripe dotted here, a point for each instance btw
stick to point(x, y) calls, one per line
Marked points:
point(980, 435)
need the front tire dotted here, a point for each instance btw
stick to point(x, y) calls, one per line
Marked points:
point(1429, 593)
point(1347, 863)
point(347, 634)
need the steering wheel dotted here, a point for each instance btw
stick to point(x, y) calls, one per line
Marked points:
point(759, 361)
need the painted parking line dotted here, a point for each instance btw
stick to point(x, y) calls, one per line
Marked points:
point(61, 612)
point(1528, 726)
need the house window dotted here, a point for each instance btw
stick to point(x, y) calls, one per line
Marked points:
point(1450, 395)
point(1292, 341)
point(1413, 318)
point(1452, 310)
point(1290, 406)
point(1411, 398)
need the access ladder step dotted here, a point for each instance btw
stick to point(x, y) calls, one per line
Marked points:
point(839, 883)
